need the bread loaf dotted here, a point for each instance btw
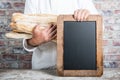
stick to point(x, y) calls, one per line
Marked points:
point(23, 24)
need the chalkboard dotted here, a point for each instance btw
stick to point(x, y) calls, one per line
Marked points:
point(79, 46)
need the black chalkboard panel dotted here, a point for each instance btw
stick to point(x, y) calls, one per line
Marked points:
point(79, 45)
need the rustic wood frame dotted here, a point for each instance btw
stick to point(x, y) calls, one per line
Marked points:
point(60, 43)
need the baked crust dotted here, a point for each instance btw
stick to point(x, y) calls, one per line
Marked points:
point(23, 24)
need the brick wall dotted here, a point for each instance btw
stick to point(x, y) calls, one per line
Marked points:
point(110, 9)
point(12, 54)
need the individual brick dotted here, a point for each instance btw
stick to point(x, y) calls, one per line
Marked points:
point(2, 50)
point(14, 65)
point(2, 12)
point(116, 27)
point(111, 64)
point(2, 42)
point(5, 5)
point(4, 65)
point(117, 20)
point(116, 42)
point(25, 57)
point(112, 57)
point(19, 5)
point(15, 42)
point(111, 50)
point(25, 65)
point(10, 12)
point(2, 35)
point(117, 12)
point(9, 57)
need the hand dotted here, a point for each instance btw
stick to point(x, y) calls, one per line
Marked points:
point(42, 35)
point(81, 14)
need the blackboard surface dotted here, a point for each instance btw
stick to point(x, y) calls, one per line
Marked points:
point(79, 45)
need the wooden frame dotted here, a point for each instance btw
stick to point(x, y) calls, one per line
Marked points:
point(60, 43)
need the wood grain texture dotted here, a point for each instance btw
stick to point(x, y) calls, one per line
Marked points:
point(60, 48)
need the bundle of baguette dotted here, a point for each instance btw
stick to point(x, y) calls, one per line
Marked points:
point(22, 25)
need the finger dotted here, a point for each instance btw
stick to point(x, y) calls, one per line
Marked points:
point(83, 13)
point(52, 29)
point(84, 18)
point(53, 33)
point(54, 37)
point(87, 14)
point(36, 28)
point(49, 27)
point(75, 14)
point(79, 15)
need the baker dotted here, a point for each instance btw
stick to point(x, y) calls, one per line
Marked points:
point(44, 50)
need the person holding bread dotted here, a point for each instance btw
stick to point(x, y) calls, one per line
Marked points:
point(44, 50)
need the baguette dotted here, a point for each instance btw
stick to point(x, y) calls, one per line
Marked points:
point(26, 23)
point(18, 35)
point(22, 25)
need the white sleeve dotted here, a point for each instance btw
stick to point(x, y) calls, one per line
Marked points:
point(88, 4)
point(31, 6)
point(27, 47)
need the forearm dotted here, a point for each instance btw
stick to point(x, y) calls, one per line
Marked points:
point(33, 42)
point(28, 47)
